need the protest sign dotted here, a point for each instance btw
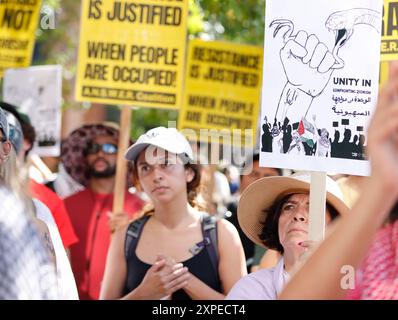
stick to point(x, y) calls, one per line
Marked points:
point(389, 34)
point(222, 91)
point(132, 52)
point(320, 84)
point(18, 23)
point(37, 92)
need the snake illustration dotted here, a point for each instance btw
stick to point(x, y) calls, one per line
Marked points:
point(342, 23)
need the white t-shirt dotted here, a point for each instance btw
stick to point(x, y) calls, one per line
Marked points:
point(66, 280)
point(265, 284)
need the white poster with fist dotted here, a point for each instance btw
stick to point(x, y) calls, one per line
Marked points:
point(320, 83)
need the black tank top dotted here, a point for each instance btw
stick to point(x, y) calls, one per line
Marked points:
point(199, 265)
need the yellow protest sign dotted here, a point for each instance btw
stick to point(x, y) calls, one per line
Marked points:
point(389, 34)
point(384, 73)
point(18, 24)
point(132, 52)
point(222, 90)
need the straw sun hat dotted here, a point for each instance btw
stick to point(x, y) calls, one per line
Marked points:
point(263, 193)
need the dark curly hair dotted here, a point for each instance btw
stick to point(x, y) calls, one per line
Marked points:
point(28, 130)
point(269, 234)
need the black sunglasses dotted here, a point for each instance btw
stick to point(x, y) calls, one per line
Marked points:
point(107, 148)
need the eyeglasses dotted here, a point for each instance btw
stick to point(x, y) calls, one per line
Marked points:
point(107, 148)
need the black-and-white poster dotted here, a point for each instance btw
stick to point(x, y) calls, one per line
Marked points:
point(320, 83)
point(37, 91)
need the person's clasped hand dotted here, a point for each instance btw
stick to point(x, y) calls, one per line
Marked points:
point(163, 279)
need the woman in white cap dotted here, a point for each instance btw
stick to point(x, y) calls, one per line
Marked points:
point(273, 212)
point(174, 251)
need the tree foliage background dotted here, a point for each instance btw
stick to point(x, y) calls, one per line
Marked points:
point(240, 21)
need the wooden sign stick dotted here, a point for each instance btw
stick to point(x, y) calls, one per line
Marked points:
point(121, 167)
point(317, 206)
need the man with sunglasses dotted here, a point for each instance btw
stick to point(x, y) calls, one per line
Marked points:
point(89, 155)
point(101, 159)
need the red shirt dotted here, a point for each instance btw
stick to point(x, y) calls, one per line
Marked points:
point(89, 214)
point(58, 210)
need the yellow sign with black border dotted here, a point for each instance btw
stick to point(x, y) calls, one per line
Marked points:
point(132, 52)
point(18, 24)
point(222, 91)
point(389, 33)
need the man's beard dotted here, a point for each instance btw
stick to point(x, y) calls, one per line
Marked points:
point(110, 171)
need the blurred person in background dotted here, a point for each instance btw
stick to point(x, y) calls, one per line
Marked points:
point(54, 203)
point(233, 176)
point(26, 263)
point(89, 155)
point(12, 168)
point(251, 172)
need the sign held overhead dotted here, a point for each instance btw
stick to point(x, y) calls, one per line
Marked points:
point(18, 23)
point(320, 83)
point(222, 92)
point(132, 52)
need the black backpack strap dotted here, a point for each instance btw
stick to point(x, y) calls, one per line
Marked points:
point(209, 229)
point(133, 234)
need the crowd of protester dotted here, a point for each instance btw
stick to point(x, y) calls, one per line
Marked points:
point(169, 242)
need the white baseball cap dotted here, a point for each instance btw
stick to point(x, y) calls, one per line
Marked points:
point(168, 139)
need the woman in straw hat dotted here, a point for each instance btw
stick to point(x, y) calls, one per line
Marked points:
point(172, 252)
point(366, 239)
point(273, 212)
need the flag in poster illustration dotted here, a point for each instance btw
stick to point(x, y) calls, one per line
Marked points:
point(306, 132)
point(320, 83)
